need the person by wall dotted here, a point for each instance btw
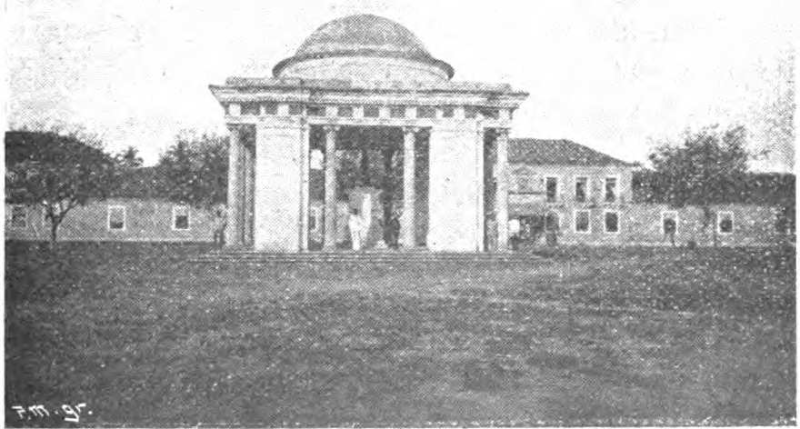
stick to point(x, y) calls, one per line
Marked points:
point(669, 230)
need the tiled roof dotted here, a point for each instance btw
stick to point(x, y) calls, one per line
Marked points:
point(557, 152)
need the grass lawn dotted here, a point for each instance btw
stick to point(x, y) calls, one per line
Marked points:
point(585, 337)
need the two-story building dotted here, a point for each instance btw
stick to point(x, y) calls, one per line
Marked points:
point(565, 193)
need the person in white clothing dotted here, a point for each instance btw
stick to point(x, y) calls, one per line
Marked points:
point(355, 224)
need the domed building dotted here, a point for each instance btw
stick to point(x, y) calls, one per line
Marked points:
point(364, 48)
point(363, 88)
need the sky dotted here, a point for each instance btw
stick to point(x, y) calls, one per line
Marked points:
point(618, 76)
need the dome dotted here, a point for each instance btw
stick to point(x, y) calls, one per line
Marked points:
point(330, 52)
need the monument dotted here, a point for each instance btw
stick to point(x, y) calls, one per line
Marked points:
point(361, 82)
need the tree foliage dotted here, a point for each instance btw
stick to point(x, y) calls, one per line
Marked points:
point(55, 171)
point(705, 169)
point(194, 170)
point(129, 158)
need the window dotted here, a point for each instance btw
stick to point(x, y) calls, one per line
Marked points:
point(271, 108)
point(397, 111)
point(551, 189)
point(19, 217)
point(524, 183)
point(612, 221)
point(582, 221)
point(470, 112)
point(447, 112)
point(295, 109)
point(490, 113)
point(250, 109)
point(116, 218)
point(227, 109)
point(180, 218)
point(372, 112)
point(581, 189)
point(426, 112)
point(345, 111)
point(725, 222)
point(669, 223)
point(611, 189)
point(551, 222)
point(316, 111)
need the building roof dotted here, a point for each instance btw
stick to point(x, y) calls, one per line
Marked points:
point(557, 152)
point(362, 35)
point(357, 32)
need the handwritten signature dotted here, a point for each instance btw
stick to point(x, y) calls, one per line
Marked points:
point(71, 413)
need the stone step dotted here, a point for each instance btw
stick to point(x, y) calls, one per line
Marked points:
point(243, 256)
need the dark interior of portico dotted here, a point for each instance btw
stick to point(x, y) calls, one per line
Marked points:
point(369, 158)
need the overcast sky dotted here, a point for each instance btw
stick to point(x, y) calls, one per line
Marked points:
point(614, 75)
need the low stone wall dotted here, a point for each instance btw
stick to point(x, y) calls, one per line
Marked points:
point(145, 220)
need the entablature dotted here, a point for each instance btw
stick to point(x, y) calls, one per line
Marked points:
point(455, 117)
point(381, 93)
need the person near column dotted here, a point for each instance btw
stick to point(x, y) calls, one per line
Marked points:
point(354, 223)
point(514, 229)
point(220, 222)
point(394, 230)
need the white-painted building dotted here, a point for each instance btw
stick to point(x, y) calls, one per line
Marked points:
point(364, 81)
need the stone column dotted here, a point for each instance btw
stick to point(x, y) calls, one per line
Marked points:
point(233, 232)
point(304, 179)
point(408, 230)
point(329, 242)
point(501, 197)
point(480, 213)
point(248, 160)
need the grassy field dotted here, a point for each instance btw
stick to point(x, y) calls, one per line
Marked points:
point(584, 337)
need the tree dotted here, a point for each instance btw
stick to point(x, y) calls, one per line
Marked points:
point(56, 171)
point(129, 158)
point(704, 170)
point(194, 170)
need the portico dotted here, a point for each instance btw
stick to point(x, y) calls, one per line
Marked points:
point(338, 83)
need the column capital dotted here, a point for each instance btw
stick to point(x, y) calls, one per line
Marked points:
point(411, 129)
point(502, 132)
point(331, 128)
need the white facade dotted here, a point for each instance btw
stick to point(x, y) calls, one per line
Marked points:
point(397, 86)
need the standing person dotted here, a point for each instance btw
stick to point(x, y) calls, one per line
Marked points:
point(355, 224)
point(669, 230)
point(514, 233)
point(394, 230)
point(220, 222)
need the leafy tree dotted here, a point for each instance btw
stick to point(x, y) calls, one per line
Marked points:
point(194, 170)
point(129, 158)
point(56, 171)
point(703, 170)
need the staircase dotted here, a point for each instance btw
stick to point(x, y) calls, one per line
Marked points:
point(421, 257)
